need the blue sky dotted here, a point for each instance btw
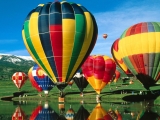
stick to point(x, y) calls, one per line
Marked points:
point(112, 17)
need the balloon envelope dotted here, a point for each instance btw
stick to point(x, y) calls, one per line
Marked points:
point(44, 113)
point(18, 114)
point(117, 76)
point(33, 81)
point(118, 57)
point(98, 113)
point(80, 81)
point(70, 114)
point(98, 70)
point(140, 50)
point(59, 36)
point(42, 79)
point(82, 114)
point(19, 79)
point(105, 36)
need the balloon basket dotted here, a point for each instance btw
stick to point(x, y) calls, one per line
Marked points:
point(61, 99)
point(61, 108)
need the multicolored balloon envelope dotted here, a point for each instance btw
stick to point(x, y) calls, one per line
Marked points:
point(70, 114)
point(80, 80)
point(44, 113)
point(42, 79)
point(118, 57)
point(98, 70)
point(59, 36)
point(139, 46)
point(18, 114)
point(19, 79)
point(33, 81)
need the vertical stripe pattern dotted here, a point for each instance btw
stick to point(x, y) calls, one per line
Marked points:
point(140, 49)
point(59, 36)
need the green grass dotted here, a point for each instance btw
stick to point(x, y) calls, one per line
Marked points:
point(112, 92)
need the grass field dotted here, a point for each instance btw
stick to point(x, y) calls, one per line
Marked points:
point(114, 92)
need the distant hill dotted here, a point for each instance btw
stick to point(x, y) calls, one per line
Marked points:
point(9, 64)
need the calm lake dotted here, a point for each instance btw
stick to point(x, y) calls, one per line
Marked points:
point(82, 110)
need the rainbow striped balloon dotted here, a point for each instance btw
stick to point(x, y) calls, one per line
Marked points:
point(139, 46)
point(59, 36)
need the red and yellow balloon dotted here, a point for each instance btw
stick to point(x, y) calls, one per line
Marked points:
point(98, 70)
point(59, 36)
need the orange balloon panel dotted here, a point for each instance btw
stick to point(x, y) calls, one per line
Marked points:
point(19, 79)
point(98, 71)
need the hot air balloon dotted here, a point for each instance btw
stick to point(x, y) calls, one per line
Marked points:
point(80, 81)
point(59, 36)
point(18, 114)
point(119, 116)
point(42, 79)
point(118, 59)
point(98, 70)
point(82, 114)
point(33, 81)
point(105, 36)
point(147, 115)
point(19, 79)
point(44, 113)
point(117, 76)
point(98, 113)
point(70, 114)
point(139, 48)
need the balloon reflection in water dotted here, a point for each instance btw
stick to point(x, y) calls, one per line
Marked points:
point(147, 115)
point(44, 113)
point(42, 79)
point(80, 81)
point(19, 79)
point(118, 115)
point(18, 114)
point(70, 114)
point(82, 114)
point(98, 113)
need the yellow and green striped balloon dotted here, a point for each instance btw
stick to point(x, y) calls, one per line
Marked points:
point(139, 46)
point(59, 36)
